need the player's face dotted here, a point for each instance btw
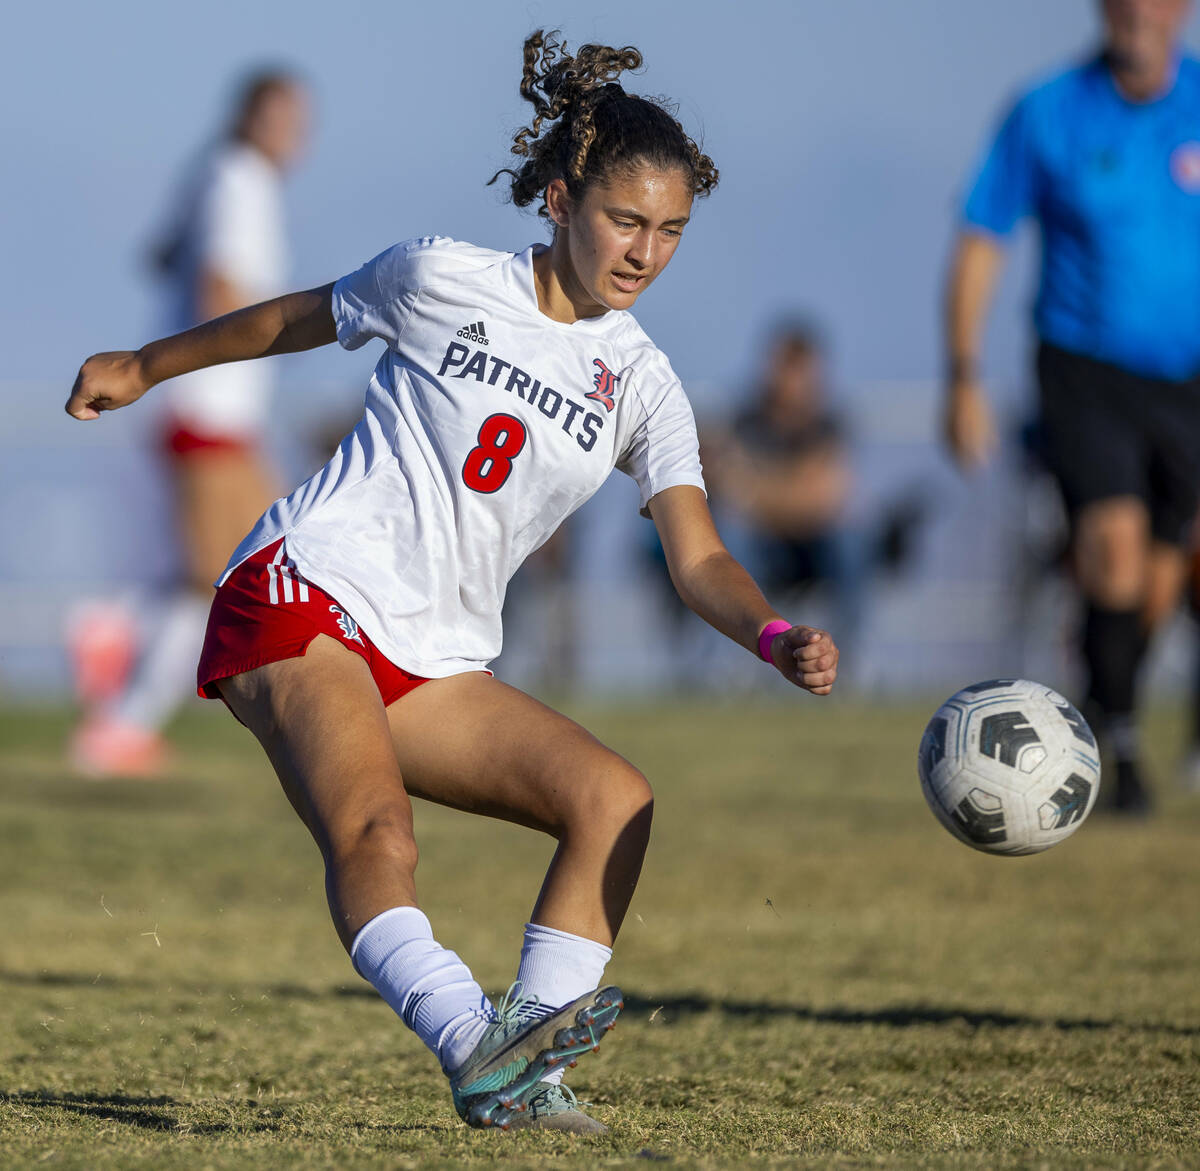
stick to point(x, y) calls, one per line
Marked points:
point(279, 124)
point(1143, 30)
point(623, 233)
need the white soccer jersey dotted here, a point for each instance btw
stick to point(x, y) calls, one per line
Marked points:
point(486, 425)
point(230, 220)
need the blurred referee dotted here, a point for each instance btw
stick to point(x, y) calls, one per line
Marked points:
point(1106, 158)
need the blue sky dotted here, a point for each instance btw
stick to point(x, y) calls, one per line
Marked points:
point(843, 132)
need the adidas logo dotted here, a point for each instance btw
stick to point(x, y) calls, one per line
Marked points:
point(474, 333)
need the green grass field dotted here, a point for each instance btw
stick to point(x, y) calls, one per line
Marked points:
point(817, 974)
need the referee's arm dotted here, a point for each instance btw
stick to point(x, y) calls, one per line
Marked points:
point(1003, 192)
point(970, 430)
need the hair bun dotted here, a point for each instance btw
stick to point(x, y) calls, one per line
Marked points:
point(552, 78)
point(595, 125)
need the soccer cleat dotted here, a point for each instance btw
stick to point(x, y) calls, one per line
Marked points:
point(101, 642)
point(103, 748)
point(504, 1073)
point(557, 1108)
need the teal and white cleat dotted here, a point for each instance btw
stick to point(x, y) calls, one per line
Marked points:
point(504, 1074)
point(557, 1108)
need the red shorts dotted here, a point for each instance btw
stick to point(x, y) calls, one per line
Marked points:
point(265, 611)
point(181, 441)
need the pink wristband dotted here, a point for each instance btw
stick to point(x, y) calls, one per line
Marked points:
point(768, 636)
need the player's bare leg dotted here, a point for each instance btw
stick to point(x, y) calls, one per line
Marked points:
point(1112, 556)
point(324, 728)
point(474, 743)
point(322, 723)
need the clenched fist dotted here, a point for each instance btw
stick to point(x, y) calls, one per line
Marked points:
point(806, 657)
point(106, 382)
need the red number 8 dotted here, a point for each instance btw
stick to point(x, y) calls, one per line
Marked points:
point(501, 439)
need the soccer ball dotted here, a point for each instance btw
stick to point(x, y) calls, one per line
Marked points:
point(1009, 766)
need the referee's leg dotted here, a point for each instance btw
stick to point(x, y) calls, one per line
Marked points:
point(1113, 561)
point(1096, 442)
point(1166, 577)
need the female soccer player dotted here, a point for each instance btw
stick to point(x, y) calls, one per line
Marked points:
point(352, 628)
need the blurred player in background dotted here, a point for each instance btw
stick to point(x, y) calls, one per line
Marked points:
point(225, 248)
point(1106, 157)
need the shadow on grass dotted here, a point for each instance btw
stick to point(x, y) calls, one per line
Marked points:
point(154, 1112)
point(665, 1008)
point(899, 1016)
point(146, 1113)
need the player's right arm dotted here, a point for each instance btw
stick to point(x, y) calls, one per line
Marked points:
point(970, 429)
point(285, 325)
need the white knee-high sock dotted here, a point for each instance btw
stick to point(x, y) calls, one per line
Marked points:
point(165, 673)
point(428, 987)
point(557, 967)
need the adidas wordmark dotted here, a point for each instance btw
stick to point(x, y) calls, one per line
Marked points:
point(474, 333)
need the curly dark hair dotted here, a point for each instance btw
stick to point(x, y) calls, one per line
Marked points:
point(596, 128)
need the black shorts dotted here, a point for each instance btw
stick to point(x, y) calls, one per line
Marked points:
point(1106, 432)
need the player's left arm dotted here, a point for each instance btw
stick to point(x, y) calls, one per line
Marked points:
point(719, 590)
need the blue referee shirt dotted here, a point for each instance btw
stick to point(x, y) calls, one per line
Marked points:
point(1115, 187)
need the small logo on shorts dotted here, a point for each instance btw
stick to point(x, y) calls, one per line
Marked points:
point(348, 625)
point(1185, 167)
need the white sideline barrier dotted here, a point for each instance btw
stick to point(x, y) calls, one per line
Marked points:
point(83, 517)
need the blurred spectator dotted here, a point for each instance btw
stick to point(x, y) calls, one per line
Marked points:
point(224, 248)
point(779, 480)
point(1106, 157)
point(781, 472)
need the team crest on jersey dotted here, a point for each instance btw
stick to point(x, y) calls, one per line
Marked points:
point(348, 625)
point(1185, 167)
point(606, 384)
